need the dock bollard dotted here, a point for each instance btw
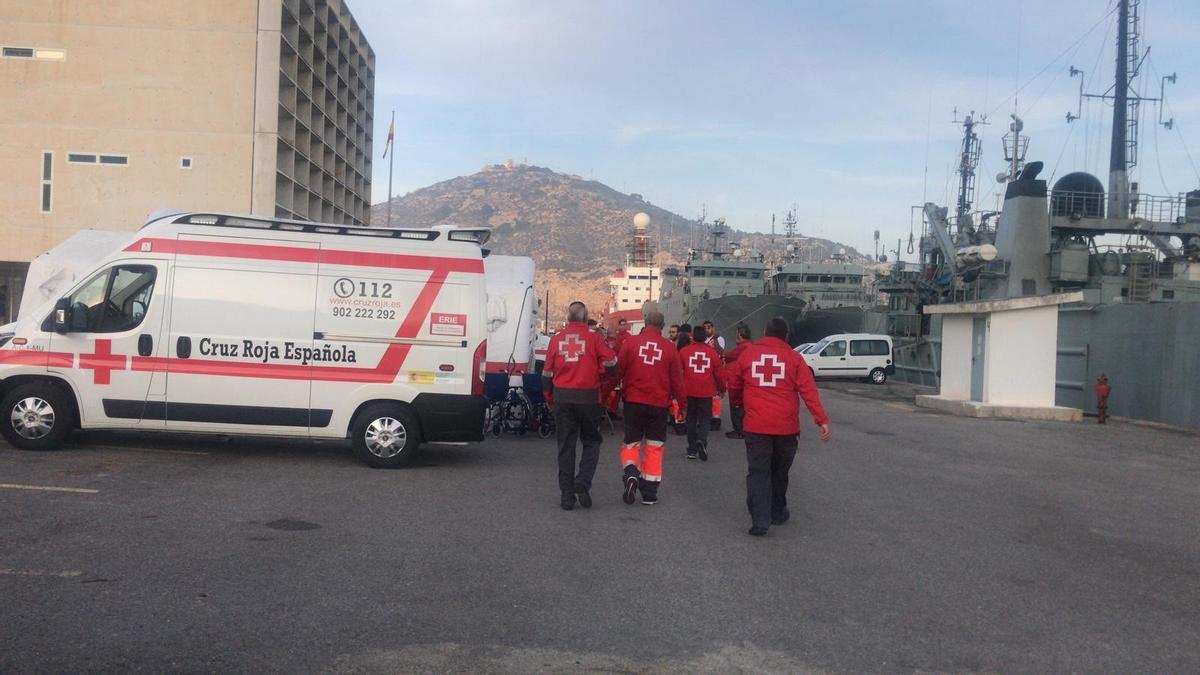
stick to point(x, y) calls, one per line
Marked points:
point(1103, 389)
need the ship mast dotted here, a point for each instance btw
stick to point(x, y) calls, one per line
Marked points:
point(1118, 160)
point(968, 162)
point(1123, 151)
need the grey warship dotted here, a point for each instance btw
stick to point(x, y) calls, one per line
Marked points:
point(1134, 256)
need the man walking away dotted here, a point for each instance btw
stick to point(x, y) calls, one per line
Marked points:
point(771, 378)
point(704, 379)
point(683, 337)
point(736, 410)
point(571, 379)
point(650, 374)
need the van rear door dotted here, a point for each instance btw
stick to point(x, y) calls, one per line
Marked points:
point(240, 336)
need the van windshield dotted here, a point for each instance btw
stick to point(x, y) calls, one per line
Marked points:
point(816, 349)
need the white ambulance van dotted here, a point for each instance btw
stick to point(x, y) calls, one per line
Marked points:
point(512, 311)
point(857, 355)
point(244, 325)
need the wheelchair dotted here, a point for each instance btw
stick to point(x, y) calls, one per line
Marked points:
point(516, 410)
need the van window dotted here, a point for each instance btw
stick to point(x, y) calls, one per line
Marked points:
point(869, 348)
point(114, 300)
point(835, 349)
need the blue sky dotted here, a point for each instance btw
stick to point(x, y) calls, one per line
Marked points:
point(749, 107)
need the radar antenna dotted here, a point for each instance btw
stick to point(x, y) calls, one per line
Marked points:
point(1123, 152)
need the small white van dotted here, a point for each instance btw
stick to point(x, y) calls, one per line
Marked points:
point(857, 355)
point(244, 325)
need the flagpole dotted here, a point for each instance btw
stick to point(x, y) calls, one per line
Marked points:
point(391, 163)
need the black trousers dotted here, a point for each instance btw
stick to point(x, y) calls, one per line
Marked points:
point(769, 459)
point(736, 415)
point(699, 421)
point(577, 422)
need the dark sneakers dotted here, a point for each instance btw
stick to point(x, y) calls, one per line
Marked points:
point(568, 501)
point(631, 486)
point(649, 501)
point(702, 451)
point(734, 434)
point(780, 518)
point(692, 455)
point(758, 531)
point(585, 499)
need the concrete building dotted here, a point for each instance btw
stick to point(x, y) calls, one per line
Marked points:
point(115, 109)
point(999, 358)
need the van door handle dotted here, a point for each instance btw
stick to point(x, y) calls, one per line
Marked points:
point(183, 347)
point(145, 345)
point(843, 358)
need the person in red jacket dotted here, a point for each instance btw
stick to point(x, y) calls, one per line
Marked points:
point(771, 378)
point(571, 379)
point(736, 410)
point(608, 383)
point(704, 380)
point(650, 374)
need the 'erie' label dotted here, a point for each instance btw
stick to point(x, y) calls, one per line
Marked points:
point(452, 325)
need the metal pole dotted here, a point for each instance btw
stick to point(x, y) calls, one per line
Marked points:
point(391, 163)
point(1118, 186)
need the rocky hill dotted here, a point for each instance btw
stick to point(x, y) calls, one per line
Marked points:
point(574, 229)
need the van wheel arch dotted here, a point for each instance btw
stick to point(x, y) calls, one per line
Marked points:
point(68, 392)
point(362, 407)
point(33, 397)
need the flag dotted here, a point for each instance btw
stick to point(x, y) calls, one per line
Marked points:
point(391, 133)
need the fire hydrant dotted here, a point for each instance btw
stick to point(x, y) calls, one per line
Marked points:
point(1103, 389)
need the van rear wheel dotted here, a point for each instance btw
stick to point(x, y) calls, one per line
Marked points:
point(385, 436)
point(878, 376)
point(36, 416)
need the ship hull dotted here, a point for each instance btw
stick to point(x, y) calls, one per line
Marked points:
point(755, 310)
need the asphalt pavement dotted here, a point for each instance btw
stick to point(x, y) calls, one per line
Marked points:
point(918, 542)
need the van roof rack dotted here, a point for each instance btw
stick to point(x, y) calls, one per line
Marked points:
point(477, 235)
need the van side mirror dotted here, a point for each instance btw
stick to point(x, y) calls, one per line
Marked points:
point(62, 315)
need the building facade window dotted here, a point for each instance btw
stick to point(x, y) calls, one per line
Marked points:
point(92, 158)
point(33, 53)
point(12, 285)
point(47, 176)
point(185, 162)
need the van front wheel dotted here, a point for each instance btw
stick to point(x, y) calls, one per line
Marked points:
point(878, 376)
point(385, 436)
point(36, 417)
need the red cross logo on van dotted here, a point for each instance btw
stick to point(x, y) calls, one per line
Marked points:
point(572, 348)
point(767, 370)
point(651, 353)
point(699, 363)
point(102, 362)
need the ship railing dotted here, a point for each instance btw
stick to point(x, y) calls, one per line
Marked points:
point(1154, 208)
point(1159, 209)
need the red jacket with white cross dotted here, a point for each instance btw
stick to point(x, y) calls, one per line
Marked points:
point(574, 359)
point(648, 366)
point(771, 378)
point(703, 372)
